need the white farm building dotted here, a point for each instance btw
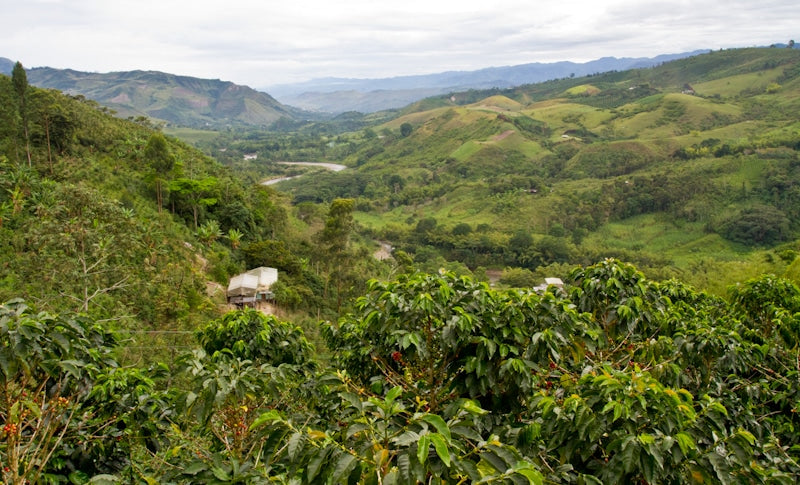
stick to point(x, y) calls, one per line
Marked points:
point(252, 287)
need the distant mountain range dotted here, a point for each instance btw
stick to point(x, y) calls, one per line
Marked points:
point(6, 65)
point(211, 103)
point(180, 100)
point(336, 95)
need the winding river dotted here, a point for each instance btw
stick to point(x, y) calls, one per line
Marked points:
point(330, 166)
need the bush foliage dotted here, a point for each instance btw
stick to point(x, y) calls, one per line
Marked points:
point(614, 379)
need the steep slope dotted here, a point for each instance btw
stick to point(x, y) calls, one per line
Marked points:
point(180, 100)
point(108, 217)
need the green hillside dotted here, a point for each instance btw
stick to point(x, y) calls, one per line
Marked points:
point(110, 218)
point(689, 163)
point(179, 100)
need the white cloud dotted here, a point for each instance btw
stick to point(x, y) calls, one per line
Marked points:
point(265, 42)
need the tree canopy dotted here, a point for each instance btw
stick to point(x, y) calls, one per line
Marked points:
point(614, 379)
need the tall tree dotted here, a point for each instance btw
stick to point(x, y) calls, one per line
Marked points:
point(338, 226)
point(20, 80)
point(55, 118)
point(9, 118)
point(195, 194)
point(335, 241)
point(161, 160)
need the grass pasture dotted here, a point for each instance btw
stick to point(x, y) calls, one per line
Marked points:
point(190, 135)
point(497, 104)
point(753, 82)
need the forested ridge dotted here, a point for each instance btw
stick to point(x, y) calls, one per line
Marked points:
point(120, 364)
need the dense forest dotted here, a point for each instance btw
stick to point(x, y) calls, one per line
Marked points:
point(121, 363)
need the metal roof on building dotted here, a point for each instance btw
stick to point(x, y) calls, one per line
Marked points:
point(252, 282)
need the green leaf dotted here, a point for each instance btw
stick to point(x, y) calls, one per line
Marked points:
point(5, 363)
point(315, 464)
point(404, 439)
point(404, 465)
point(391, 478)
point(61, 340)
point(492, 459)
point(441, 448)
point(504, 453)
point(33, 408)
point(589, 480)
point(648, 470)
point(646, 439)
point(742, 454)
point(619, 410)
point(72, 367)
point(466, 467)
point(415, 339)
point(295, 445)
point(472, 407)
point(718, 407)
point(356, 428)
point(423, 445)
point(629, 453)
point(353, 399)
point(526, 470)
point(195, 468)
point(490, 345)
point(343, 467)
point(466, 432)
point(220, 474)
point(78, 477)
point(393, 394)
point(439, 424)
point(720, 466)
point(533, 476)
point(13, 412)
point(269, 417)
point(685, 442)
point(748, 436)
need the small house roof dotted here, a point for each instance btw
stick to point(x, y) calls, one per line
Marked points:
point(266, 276)
point(243, 285)
point(254, 281)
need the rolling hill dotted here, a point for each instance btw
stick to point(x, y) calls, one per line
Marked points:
point(691, 163)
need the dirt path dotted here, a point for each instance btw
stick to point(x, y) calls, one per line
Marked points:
point(503, 135)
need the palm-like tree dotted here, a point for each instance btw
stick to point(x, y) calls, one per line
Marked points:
point(235, 238)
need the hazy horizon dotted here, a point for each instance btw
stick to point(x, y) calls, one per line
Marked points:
point(267, 43)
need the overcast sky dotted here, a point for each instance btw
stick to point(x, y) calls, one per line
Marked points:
point(265, 42)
